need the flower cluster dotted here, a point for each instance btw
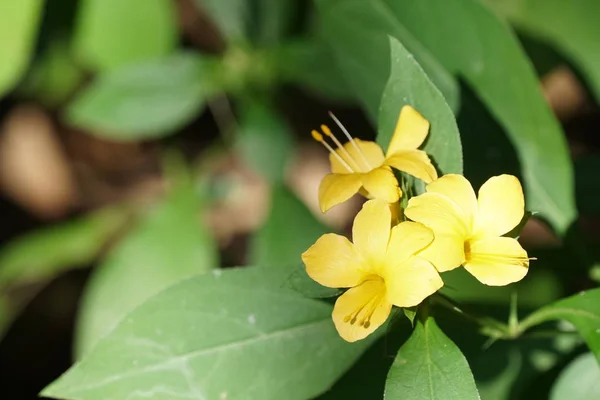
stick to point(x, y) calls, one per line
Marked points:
point(397, 261)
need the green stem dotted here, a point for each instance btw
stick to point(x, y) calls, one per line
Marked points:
point(489, 326)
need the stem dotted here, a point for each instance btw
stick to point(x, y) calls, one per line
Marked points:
point(489, 326)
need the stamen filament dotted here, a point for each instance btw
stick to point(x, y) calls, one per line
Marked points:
point(369, 307)
point(338, 123)
point(328, 132)
point(319, 138)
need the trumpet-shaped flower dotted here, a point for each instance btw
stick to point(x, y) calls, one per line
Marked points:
point(468, 230)
point(380, 268)
point(361, 166)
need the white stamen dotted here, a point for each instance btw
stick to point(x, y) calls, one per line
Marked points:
point(338, 123)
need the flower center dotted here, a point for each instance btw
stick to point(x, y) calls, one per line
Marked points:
point(352, 164)
point(364, 312)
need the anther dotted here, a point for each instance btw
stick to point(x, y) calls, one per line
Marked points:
point(319, 138)
point(367, 324)
point(326, 130)
point(351, 159)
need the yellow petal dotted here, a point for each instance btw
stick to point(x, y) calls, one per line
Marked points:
point(458, 189)
point(411, 131)
point(438, 213)
point(361, 310)
point(334, 262)
point(410, 282)
point(501, 206)
point(413, 162)
point(381, 184)
point(497, 261)
point(337, 188)
point(371, 230)
point(446, 252)
point(406, 239)
point(370, 156)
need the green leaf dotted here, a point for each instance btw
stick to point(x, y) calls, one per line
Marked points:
point(45, 253)
point(273, 21)
point(167, 246)
point(230, 16)
point(430, 366)
point(362, 49)
point(478, 47)
point(410, 313)
point(408, 84)
point(114, 33)
point(309, 63)
point(54, 77)
point(144, 101)
point(303, 284)
point(289, 230)
point(580, 380)
point(582, 310)
point(232, 334)
point(19, 20)
point(264, 141)
point(570, 26)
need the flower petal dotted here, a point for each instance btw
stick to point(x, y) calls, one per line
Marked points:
point(413, 162)
point(497, 261)
point(337, 188)
point(410, 282)
point(411, 131)
point(334, 262)
point(446, 252)
point(371, 230)
point(501, 206)
point(381, 184)
point(370, 156)
point(358, 303)
point(438, 213)
point(407, 239)
point(458, 189)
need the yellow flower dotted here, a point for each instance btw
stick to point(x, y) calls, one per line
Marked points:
point(361, 165)
point(380, 268)
point(468, 230)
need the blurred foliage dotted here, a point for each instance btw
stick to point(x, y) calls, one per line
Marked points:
point(220, 81)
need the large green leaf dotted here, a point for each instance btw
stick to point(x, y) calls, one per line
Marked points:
point(230, 16)
point(478, 47)
point(114, 33)
point(289, 230)
point(145, 100)
point(273, 20)
point(18, 27)
point(232, 334)
point(309, 63)
point(408, 84)
point(571, 26)
point(582, 310)
point(45, 253)
point(167, 246)
point(579, 381)
point(362, 49)
point(430, 366)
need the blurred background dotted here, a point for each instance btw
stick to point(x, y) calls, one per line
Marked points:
point(144, 141)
